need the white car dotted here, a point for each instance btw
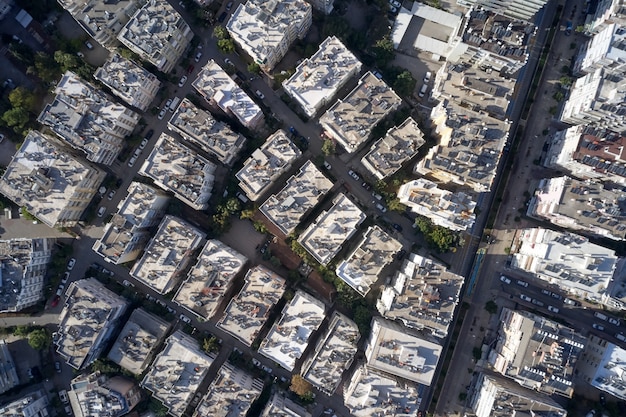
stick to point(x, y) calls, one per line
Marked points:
point(101, 211)
point(505, 279)
point(228, 62)
point(327, 165)
point(427, 77)
point(259, 95)
point(354, 175)
point(613, 321)
point(553, 309)
point(111, 194)
point(395, 3)
point(381, 208)
point(522, 283)
point(143, 143)
point(71, 263)
point(598, 326)
point(88, 45)
point(525, 298)
point(198, 56)
point(393, 9)
point(162, 113)
point(168, 103)
point(185, 318)
point(137, 152)
point(132, 161)
point(66, 276)
point(127, 283)
point(182, 81)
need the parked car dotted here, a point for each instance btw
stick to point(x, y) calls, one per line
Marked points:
point(63, 396)
point(522, 283)
point(198, 56)
point(101, 211)
point(168, 103)
point(569, 301)
point(259, 95)
point(149, 134)
point(354, 175)
point(381, 208)
point(229, 6)
point(185, 318)
point(111, 195)
point(553, 309)
point(377, 196)
point(505, 279)
point(397, 227)
point(57, 367)
point(537, 302)
point(614, 321)
point(182, 81)
point(557, 296)
point(66, 276)
point(88, 45)
point(427, 77)
point(222, 17)
point(546, 292)
point(127, 283)
point(143, 143)
point(423, 90)
point(366, 185)
point(132, 161)
point(71, 263)
point(525, 297)
point(598, 326)
point(137, 153)
point(327, 165)
point(395, 3)
point(162, 113)
point(228, 62)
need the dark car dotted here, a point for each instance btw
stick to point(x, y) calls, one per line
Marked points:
point(149, 134)
point(397, 227)
point(401, 254)
point(222, 17)
point(366, 186)
point(304, 143)
point(119, 182)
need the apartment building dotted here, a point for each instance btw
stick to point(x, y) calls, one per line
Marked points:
point(168, 254)
point(32, 404)
point(267, 164)
point(210, 280)
point(362, 268)
point(603, 13)
point(88, 120)
point(350, 121)
point(602, 366)
point(128, 232)
point(102, 20)
point(494, 42)
point(537, 353)
point(333, 354)
point(525, 10)
point(201, 129)
point(24, 263)
point(53, 185)
point(388, 154)
point(454, 211)
point(218, 88)
point(423, 294)
point(604, 50)
point(132, 83)
point(568, 260)
point(324, 237)
point(302, 192)
point(587, 206)
point(289, 336)
point(97, 395)
point(89, 319)
point(469, 148)
point(177, 373)
point(158, 34)
point(371, 393)
point(599, 99)
point(177, 168)
point(496, 396)
point(136, 344)
point(281, 406)
point(247, 312)
point(317, 79)
point(8, 372)
point(393, 350)
point(231, 393)
point(324, 6)
point(266, 29)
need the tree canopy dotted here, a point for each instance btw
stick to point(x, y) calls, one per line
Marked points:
point(39, 339)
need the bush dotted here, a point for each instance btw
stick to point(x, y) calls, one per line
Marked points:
point(491, 307)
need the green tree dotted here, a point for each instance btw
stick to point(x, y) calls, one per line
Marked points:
point(362, 318)
point(16, 118)
point(275, 261)
point(395, 205)
point(67, 62)
point(442, 238)
point(383, 48)
point(220, 32)
point(328, 147)
point(105, 366)
point(157, 408)
point(21, 97)
point(254, 68)
point(39, 339)
point(211, 345)
point(491, 307)
point(226, 45)
point(404, 84)
point(232, 205)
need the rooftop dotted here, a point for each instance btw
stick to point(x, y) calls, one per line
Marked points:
point(158, 32)
point(127, 233)
point(289, 336)
point(362, 268)
point(45, 179)
point(177, 372)
point(589, 206)
point(168, 254)
point(247, 312)
point(176, 168)
point(423, 295)
point(129, 81)
point(266, 164)
point(565, 259)
point(393, 350)
point(87, 321)
point(387, 154)
point(210, 279)
point(609, 375)
point(97, 395)
point(454, 211)
point(325, 236)
point(32, 404)
point(370, 393)
point(231, 393)
point(23, 263)
point(88, 119)
point(607, 49)
point(280, 406)
point(351, 120)
point(134, 347)
point(214, 84)
point(539, 354)
point(333, 354)
point(469, 149)
point(201, 129)
point(318, 78)
point(301, 193)
point(8, 371)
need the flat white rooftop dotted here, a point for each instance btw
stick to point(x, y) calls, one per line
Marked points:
point(266, 164)
point(609, 375)
point(289, 336)
point(422, 294)
point(333, 354)
point(177, 372)
point(325, 236)
point(247, 312)
point(208, 281)
point(318, 78)
point(167, 254)
point(392, 350)
point(302, 192)
point(362, 267)
point(280, 406)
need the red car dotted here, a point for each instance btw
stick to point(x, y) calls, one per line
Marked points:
point(55, 301)
point(190, 69)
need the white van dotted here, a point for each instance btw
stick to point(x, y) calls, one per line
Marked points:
point(600, 315)
point(423, 90)
point(174, 103)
